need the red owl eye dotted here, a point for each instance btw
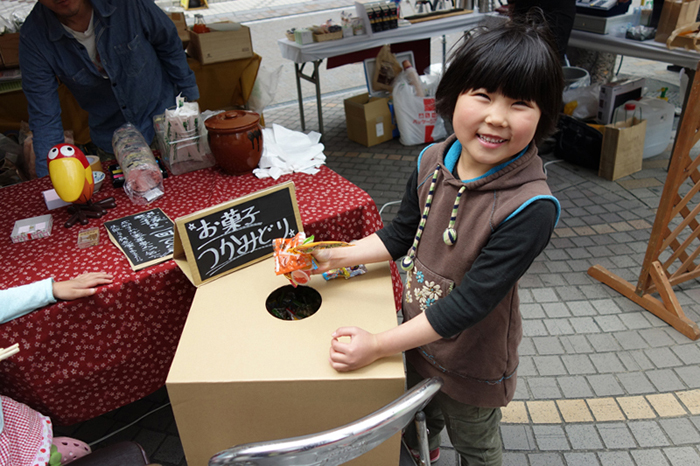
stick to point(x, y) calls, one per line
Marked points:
point(53, 153)
point(68, 151)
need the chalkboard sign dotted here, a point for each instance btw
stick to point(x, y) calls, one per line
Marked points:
point(145, 238)
point(218, 240)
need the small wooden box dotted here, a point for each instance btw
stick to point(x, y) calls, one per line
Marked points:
point(218, 46)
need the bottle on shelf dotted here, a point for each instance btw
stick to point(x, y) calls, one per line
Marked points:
point(199, 26)
point(413, 78)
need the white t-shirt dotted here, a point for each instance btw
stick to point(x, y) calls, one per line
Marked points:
point(87, 39)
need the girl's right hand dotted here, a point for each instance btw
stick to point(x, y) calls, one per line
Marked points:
point(323, 259)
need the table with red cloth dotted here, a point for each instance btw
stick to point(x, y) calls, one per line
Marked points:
point(80, 359)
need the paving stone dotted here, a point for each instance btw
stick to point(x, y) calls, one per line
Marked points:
point(615, 458)
point(580, 459)
point(550, 438)
point(689, 354)
point(663, 357)
point(544, 295)
point(680, 431)
point(548, 345)
point(556, 310)
point(605, 409)
point(656, 337)
point(603, 342)
point(575, 387)
point(665, 380)
point(682, 456)
point(527, 367)
point(583, 325)
point(666, 404)
point(584, 437)
point(549, 365)
point(635, 383)
point(607, 362)
point(543, 388)
point(577, 364)
point(527, 347)
point(534, 328)
point(532, 311)
point(558, 327)
point(605, 385)
point(649, 458)
point(514, 459)
point(170, 451)
point(545, 459)
point(518, 437)
point(691, 400)
point(515, 413)
point(581, 308)
point(690, 375)
point(575, 344)
point(648, 434)
point(616, 435)
point(610, 323)
point(630, 340)
point(605, 306)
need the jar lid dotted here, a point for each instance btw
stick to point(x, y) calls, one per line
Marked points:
point(232, 121)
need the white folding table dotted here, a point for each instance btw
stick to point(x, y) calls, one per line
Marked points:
point(316, 52)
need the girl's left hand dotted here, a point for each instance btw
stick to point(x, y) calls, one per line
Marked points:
point(361, 351)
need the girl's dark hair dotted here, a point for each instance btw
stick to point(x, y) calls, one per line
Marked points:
point(516, 58)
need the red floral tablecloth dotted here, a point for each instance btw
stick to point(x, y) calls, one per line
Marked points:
point(83, 358)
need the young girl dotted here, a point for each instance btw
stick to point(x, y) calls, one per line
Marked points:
point(477, 211)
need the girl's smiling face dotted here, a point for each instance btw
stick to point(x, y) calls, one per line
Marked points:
point(492, 128)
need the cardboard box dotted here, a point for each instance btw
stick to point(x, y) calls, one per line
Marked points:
point(623, 149)
point(241, 375)
point(614, 94)
point(368, 119)
point(218, 46)
point(32, 228)
point(179, 20)
point(676, 14)
point(9, 50)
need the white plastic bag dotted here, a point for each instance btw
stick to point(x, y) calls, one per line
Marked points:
point(416, 117)
point(582, 102)
point(264, 89)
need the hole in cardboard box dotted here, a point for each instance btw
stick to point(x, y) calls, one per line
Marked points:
point(289, 303)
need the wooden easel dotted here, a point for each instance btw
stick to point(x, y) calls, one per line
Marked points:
point(675, 234)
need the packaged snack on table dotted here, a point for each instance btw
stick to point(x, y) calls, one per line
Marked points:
point(143, 181)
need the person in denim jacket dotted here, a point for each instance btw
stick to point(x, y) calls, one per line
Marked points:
point(121, 59)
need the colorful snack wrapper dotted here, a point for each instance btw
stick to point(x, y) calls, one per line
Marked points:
point(347, 272)
point(293, 257)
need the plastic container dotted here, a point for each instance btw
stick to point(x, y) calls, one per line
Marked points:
point(626, 111)
point(575, 77)
point(659, 115)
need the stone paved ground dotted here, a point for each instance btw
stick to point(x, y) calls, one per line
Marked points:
point(601, 380)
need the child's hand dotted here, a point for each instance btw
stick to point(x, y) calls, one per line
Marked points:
point(81, 286)
point(361, 351)
point(322, 258)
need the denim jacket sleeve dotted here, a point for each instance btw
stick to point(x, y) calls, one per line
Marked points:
point(41, 90)
point(162, 34)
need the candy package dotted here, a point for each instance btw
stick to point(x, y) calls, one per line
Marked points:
point(143, 181)
point(347, 272)
point(293, 257)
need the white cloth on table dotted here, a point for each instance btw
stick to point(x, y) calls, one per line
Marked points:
point(286, 151)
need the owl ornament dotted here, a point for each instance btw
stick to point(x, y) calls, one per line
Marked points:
point(73, 181)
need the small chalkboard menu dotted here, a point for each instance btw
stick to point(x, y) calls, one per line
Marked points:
point(223, 238)
point(145, 238)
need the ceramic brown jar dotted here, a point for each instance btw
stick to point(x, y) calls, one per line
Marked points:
point(235, 138)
